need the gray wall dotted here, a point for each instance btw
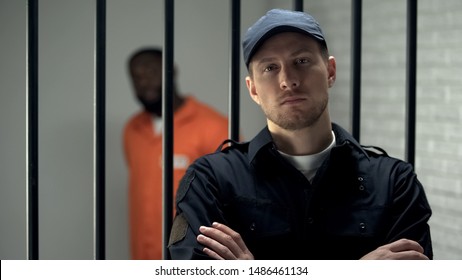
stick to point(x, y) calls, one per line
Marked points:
point(439, 96)
point(66, 30)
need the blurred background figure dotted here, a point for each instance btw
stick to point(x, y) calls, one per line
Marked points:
point(198, 130)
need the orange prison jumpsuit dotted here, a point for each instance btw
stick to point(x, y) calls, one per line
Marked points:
point(198, 130)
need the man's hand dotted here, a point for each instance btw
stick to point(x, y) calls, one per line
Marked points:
point(403, 249)
point(223, 243)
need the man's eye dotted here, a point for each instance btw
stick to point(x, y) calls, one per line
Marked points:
point(269, 68)
point(301, 61)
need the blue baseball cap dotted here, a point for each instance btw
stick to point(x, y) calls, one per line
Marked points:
point(276, 21)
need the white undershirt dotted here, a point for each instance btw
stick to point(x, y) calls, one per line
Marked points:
point(308, 164)
point(157, 125)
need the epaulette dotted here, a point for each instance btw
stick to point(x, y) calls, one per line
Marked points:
point(374, 151)
point(230, 143)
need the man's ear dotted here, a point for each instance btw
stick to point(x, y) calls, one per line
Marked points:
point(252, 90)
point(332, 71)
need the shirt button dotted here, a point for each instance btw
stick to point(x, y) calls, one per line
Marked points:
point(310, 220)
point(361, 187)
point(362, 227)
point(252, 227)
point(360, 179)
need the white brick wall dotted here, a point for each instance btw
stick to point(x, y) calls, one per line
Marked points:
point(439, 96)
point(439, 149)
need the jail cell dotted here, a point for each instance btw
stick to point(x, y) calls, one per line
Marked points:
point(235, 93)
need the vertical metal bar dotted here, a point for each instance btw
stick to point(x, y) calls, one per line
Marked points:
point(298, 5)
point(32, 131)
point(234, 93)
point(356, 29)
point(411, 66)
point(99, 133)
point(167, 118)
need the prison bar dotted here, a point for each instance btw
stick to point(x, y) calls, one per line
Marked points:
point(356, 29)
point(167, 119)
point(32, 132)
point(298, 5)
point(99, 134)
point(411, 73)
point(235, 79)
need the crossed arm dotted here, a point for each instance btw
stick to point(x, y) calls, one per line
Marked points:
point(223, 243)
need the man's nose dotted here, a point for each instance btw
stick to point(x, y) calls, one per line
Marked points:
point(146, 82)
point(289, 79)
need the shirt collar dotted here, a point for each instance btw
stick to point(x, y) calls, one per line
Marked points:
point(264, 140)
point(345, 138)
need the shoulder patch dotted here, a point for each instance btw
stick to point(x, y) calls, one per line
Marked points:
point(184, 184)
point(179, 228)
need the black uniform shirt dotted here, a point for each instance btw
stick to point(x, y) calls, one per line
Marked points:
point(358, 201)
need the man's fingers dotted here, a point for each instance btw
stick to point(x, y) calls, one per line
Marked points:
point(212, 247)
point(223, 242)
point(223, 234)
point(409, 255)
point(403, 249)
point(235, 236)
point(218, 241)
point(405, 245)
point(212, 254)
